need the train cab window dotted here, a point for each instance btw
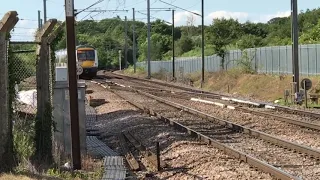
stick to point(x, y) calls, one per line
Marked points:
point(82, 56)
point(87, 55)
point(90, 55)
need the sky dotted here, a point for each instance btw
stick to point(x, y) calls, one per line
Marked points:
point(244, 10)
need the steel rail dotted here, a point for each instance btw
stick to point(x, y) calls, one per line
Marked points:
point(305, 124)
point(280, 142)
point(298, 111)
point(215, 95)
point(281, 118)
point(263, 166)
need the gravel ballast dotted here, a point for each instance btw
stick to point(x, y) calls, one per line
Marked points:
point(187, 158)
point(273, 155)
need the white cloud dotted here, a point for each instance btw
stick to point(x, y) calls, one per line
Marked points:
point(181, 17)
point(241, 16)
point(266, 18)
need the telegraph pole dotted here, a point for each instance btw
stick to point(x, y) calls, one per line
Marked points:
point(39, 19)
point(149, 41)
point(295, 44)
point(125, 42)
point(202, 43)
point(45, 11)
point(119, 59)
point(73, 85)
point(134, 42)
point(292, 55)
point(173, 55)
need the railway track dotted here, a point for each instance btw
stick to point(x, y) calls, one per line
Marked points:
point(305, 122)
point(235, 140)
point(267, 124)
point(207, 94)
point(304, 119)
point(186, 158)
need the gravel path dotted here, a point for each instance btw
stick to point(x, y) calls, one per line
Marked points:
point(187, 158)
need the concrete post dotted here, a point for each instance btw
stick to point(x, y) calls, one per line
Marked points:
point(43, 129)
point(7, 23)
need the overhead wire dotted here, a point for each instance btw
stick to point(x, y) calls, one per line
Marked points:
point(180, 8)
point(136, 3)
point(99, 1)
point(154, 17)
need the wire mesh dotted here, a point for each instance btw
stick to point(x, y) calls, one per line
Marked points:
point(23, 74)
point(23, 95)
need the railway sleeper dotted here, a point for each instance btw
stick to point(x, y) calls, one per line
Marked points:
point(228, 150)
point(253, 162)
point(150, 156)
point(131, 160)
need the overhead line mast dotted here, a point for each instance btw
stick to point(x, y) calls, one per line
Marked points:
point(202, 34)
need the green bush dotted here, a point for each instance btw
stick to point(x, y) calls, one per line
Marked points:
point(245, 63)
point(23, 138)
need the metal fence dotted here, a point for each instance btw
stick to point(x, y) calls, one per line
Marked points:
point(22, 78)
point(23, 71)
point(273, 60)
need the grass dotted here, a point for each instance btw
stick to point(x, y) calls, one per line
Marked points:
point(289, 103)
point(140, 72)
point(91, 169)
point(14, 177)
point(23, 135)
point(208, 51)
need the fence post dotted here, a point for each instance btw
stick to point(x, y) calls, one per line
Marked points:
point(7, 23)
point(56, 149)
point(51, 38)
point(44, 113)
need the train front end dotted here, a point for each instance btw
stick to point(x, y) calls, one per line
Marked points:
point(88, 59)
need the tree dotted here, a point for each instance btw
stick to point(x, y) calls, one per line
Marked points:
point(190, 24)
point(222, 33)
point(312, 35)
point(249, 41)
point(259, 29)
point(185, 44)
point(160, 44)
point(160, 27)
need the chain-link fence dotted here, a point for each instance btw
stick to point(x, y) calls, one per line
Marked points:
point(22, 74)
point(23, 93)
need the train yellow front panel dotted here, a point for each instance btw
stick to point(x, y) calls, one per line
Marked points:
point(87, 64)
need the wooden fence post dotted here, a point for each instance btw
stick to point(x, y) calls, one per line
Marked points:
point(7, 23)
point(43, 125)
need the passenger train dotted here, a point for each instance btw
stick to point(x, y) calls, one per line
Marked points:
point(86, 57)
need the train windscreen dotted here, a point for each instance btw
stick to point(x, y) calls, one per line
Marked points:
point(86, 55)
